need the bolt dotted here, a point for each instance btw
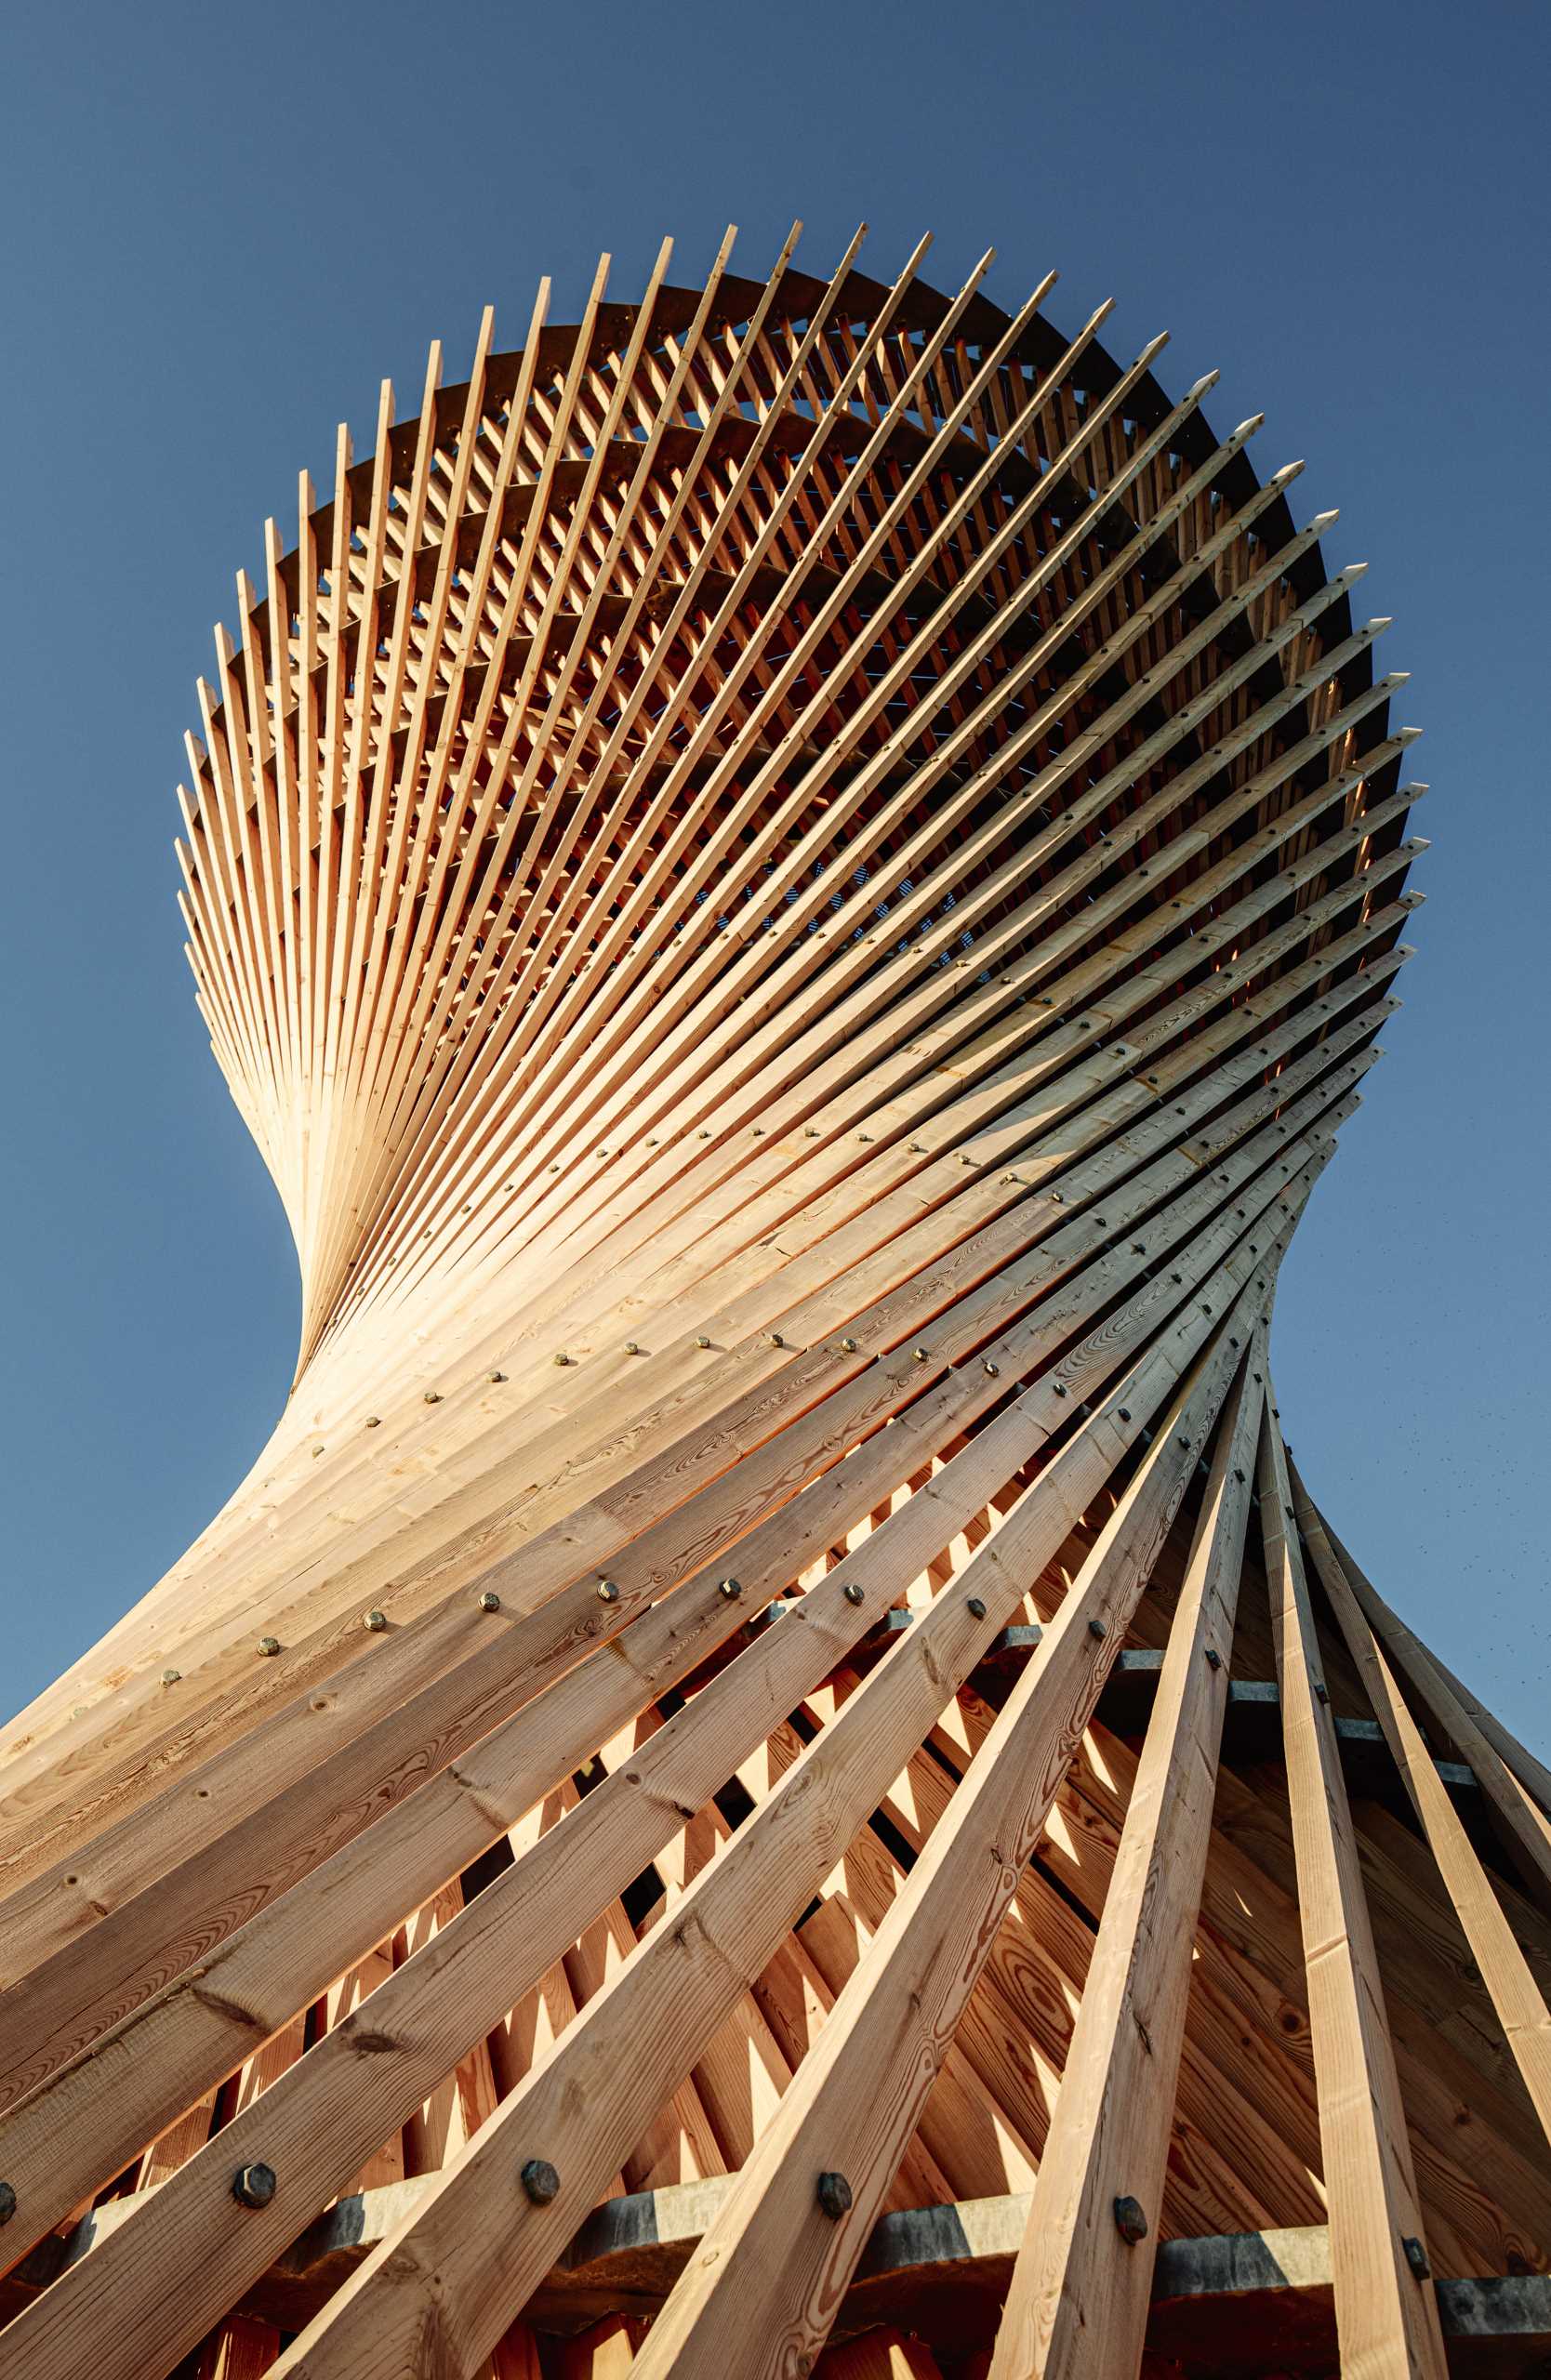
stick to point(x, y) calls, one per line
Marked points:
point(730, 1590)
point(433, 1397)
point(1129, 2221)
point(777, 1340)
point(1098, 1628)
point(1321, 1690)
point(922, 1355)
point(1058, 1197)
point(608, 1590)
point(170, 1678)
point(701, 1340)
point(253, 2185)
point(268, 1645)
point(631, 1348)
point(539, 2180)
point(848, 1346)
point(372, 1423)
point(852, 1592)
point(1125, 1412)
point(563, 1361)
point(1417, 2256)
point(489, 1601)
point(375, 1621)
point(975, 1608)
point(992, 1370)
point(8, 2201)
point(834, 2195)
point(1059, 1388)
point(496, 1379)
point(1213, 1659)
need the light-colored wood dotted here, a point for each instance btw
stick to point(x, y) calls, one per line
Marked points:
point(1385, 2310)
point(1080, 2293)
point(1516, 1995)
point(794, 881)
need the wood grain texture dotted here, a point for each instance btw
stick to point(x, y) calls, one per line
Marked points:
point(794, 881)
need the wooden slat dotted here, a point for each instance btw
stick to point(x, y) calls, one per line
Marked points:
point(1386, 2312)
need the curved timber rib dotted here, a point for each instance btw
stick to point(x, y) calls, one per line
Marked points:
point(773, 1769)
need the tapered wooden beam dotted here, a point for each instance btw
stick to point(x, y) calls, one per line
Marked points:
point(1385, 2309)
point(1080, 2293)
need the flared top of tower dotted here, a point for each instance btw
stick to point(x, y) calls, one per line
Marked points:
point(769, 663)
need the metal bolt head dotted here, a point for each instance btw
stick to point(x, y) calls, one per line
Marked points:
point(432, 1396)
point(730, 1590)
point(1129, 2221)
point(834, 2196)
point(1059, 1388)
point(975, 1608)
point(1125, 1412)
point(1417, 2256)
point(777, 1340)
point(373, 1421)
point(851, 1591)
point(1321, 1690)
point(253, 2185)
point(539, 2180)
point(848, 1346)
point(608, 1590)
point(993, 1371)
point(1098, 1628)
point(375, 1621)
point(170, 1678)
point(562, 1361)
point(8, 2201)
point(496, 1379)
point(631, 1347)
point(701, 1340)
point(268, 1645)
point(1213, 1659)
point(922, 1355)
point(489, 1600)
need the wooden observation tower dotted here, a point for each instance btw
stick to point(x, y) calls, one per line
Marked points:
point(773, 1769)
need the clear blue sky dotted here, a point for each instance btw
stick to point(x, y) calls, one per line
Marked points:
point(224, 226)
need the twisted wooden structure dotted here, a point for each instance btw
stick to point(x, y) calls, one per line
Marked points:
point(773, 1769)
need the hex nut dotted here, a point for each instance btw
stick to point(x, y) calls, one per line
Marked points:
point(1129, 2221)
point(375, 1621)
point(268, 1645)
point(489, 1600)
point(253, 2185)
point(851, 1591)
point(730, 1590)
point(608, 1590)
point(975, 1608)
point(834, 2196)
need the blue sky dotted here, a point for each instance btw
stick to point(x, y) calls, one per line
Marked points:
point(224, 226)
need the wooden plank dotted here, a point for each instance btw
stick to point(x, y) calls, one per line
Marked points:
point(1505, 1971)
point(1387, 2310)
point(1079, 2293)
point(775, 2260)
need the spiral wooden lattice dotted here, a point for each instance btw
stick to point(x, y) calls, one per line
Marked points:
point(774, 1766)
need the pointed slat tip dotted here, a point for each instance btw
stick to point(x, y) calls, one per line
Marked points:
point(1251, 423)
point(1198, 389)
